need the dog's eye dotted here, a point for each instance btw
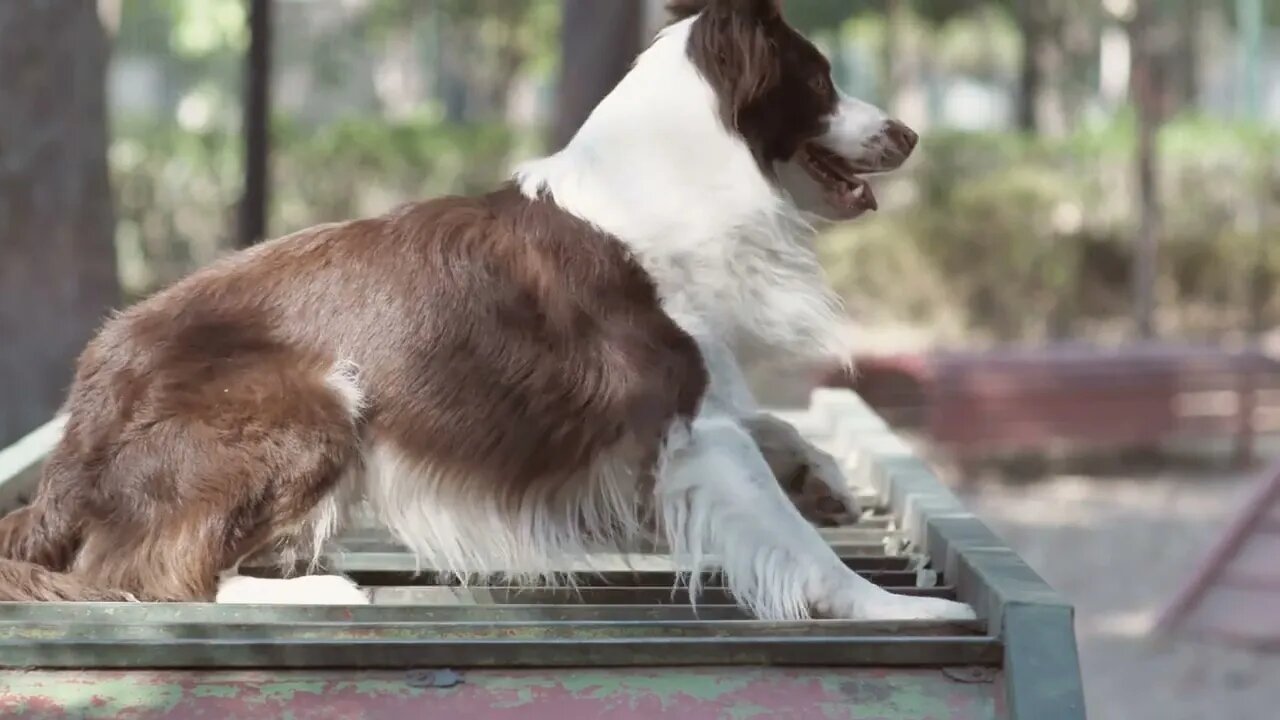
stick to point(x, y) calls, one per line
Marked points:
point(821, 84)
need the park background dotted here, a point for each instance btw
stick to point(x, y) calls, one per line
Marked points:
point(1092, 171)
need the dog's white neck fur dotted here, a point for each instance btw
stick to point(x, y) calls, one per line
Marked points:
point(732, 255)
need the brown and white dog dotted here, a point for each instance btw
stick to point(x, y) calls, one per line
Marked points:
point(507, 382)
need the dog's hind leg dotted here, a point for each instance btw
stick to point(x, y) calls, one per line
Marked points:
point(246, 460)
point(719, 503)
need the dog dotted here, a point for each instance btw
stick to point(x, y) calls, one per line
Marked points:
point(507, 382)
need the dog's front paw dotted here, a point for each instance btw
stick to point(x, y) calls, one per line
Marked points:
point(811, 478)
point(818, 489)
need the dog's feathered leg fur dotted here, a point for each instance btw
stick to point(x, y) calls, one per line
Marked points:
point(719, 504)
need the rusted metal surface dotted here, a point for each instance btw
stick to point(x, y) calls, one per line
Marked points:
point(730, 693)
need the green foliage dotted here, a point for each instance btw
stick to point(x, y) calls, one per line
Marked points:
point(190, 29)
point(1008, 237)
point(1270, 11)
point(941, 11)
point(208, 27)
point(177, 190)
point(825, 15)
point(360, 167)
point(828, 15)
point(176, 193)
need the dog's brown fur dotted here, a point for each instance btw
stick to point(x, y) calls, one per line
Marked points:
point(497, 337)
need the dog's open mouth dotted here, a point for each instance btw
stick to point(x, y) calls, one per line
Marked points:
point(849, 194)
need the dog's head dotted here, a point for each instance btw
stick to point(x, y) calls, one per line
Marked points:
point(775, 89)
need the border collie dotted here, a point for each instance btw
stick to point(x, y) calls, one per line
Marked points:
point(507, 382)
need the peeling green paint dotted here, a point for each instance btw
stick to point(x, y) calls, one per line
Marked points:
point(219, 691)
point(749, 711)
point(695, 685)
point(731, 693)
point(288, 690)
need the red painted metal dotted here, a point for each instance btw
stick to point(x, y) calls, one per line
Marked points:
point(1027, 399)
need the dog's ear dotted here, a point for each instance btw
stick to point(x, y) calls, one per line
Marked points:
point(736, 51)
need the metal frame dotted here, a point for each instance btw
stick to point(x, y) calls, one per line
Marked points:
point(1035, 623)
point(1026, 631)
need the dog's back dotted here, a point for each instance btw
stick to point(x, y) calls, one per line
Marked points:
point(460, 357)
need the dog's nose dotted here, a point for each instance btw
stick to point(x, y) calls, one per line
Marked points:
point(900, 136)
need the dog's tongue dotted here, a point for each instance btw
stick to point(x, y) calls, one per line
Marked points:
point(848, 194)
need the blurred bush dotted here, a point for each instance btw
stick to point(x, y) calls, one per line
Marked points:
point(177, 189)
point(984, 237)
point(1007, 237)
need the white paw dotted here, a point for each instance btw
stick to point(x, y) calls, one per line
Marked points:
point(307, 590)
point(899, 607)
point(860, 602)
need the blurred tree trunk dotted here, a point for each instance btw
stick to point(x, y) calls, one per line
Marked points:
point(1147, 91)
point(57, 257)
point(1186, 54)
point(892, 78)
point(1041, 105)
point(478, 57)
point(904, 72)
point(1030, 77)
point(599, 41)
point(255, 202)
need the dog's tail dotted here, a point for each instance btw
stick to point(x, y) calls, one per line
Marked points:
point(38, 534)
point(47, 531)
point(28, 582)
point(37, 546)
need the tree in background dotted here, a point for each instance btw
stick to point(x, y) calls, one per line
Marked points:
point(1148, 90)
point(57, 259)
point(599, 40)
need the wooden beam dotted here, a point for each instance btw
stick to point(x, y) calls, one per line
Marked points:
point(1211, 567)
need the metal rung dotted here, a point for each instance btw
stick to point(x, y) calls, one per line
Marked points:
point(517, 630)
point(576, 651)
point(435, 595)
point(612, 578)
point(403, 562)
